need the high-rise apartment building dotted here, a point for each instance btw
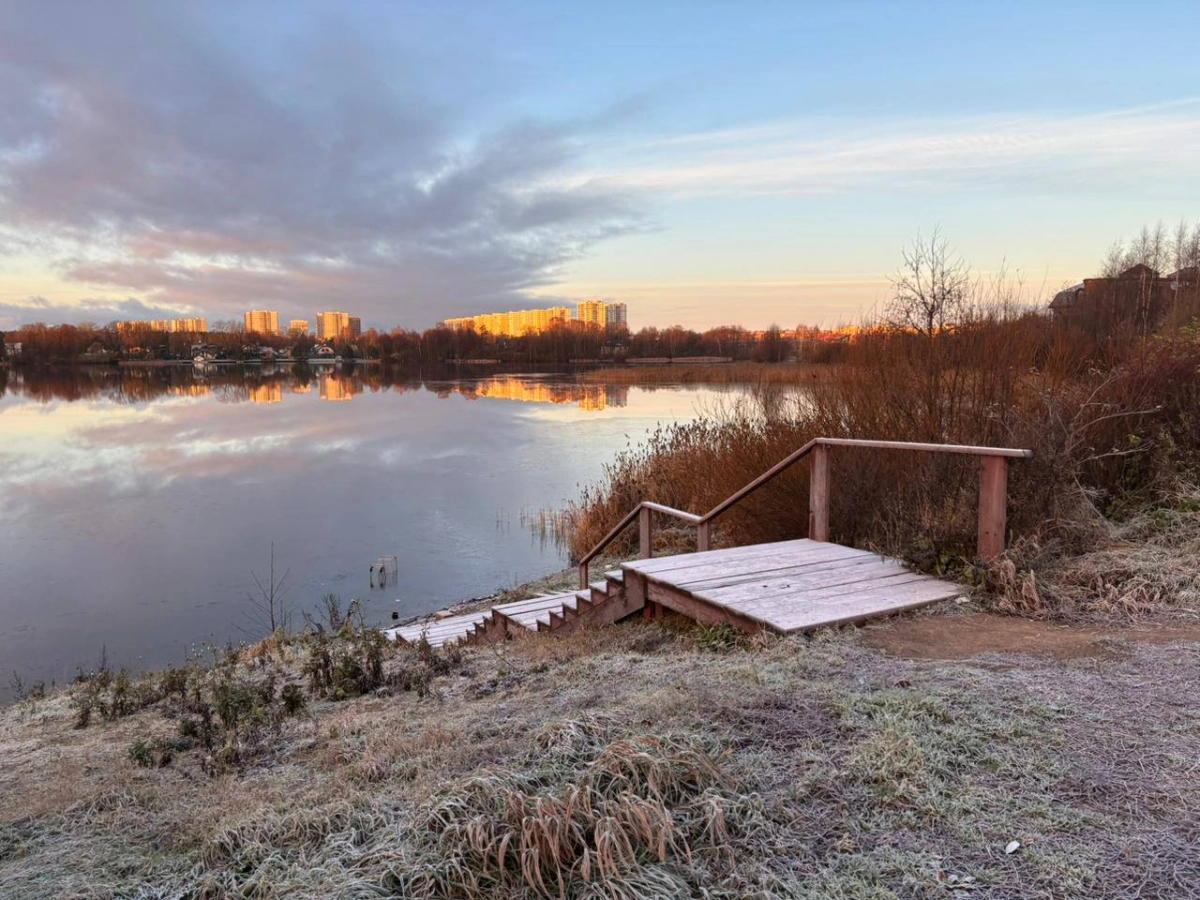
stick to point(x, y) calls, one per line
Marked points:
point(173, 326)
point(332, 326)
point(354, 327)
point(514, 324)
point(262, 321)
point(297, 327)
point(189, 326)
point(615, 316)
point(591, 312)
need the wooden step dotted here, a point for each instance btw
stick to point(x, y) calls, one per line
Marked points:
point(539, 613)
point(441, 632)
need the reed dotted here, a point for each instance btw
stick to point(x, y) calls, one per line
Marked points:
point(739, 373)
point(1114, 423)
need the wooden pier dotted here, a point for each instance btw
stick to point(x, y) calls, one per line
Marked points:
point(785, 587)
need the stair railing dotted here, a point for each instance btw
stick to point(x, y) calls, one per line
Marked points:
point(993, 497)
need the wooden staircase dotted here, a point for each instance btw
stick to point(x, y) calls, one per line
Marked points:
point(785, 587)
point(601, 603)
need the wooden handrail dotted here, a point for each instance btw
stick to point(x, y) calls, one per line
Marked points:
point(642, 511)
point(993, 495)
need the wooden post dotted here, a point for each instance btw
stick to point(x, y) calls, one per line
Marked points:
point(818, 495)
point(703, 536)
point(645, 537)
point(583, 576)
point(993, 500)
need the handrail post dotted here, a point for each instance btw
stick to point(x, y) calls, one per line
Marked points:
point(645, 537)
point(703, 536)
point(583, 576)
point(818, 495)
point(993, 500)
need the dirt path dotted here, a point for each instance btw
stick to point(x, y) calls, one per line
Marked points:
point(966, 635)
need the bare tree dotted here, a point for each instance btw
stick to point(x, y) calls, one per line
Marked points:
point(931, 290)
point(268, 610)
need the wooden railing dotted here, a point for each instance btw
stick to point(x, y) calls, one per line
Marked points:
point(993, 497)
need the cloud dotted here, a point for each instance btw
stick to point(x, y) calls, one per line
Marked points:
point(1039, 153)
point(143, 150)
point(39, 309)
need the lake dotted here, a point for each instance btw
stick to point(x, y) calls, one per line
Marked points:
point(138, 506)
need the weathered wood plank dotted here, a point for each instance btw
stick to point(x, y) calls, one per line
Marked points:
point(787, 599)
point(705, 613)
point(818, 494)
point(993, 500)
point(651, 565)
point(750, 566)
point(550, 601)
point(745, 560)
point(789, 582)
point(797, 569)
point(855, 607)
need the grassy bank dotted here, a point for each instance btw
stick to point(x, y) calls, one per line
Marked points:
point(1102, 519)
point(643, 760)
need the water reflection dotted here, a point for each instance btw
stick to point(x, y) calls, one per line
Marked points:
point(135, 504)
point(269, 384)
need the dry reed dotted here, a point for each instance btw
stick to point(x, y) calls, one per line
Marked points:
point(1111, 423)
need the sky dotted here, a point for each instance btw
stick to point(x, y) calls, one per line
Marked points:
point(705, 163)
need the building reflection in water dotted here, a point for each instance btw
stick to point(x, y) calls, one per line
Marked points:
point(230, 385)
point(267, 392)
point(199, 389)
point(332, 386)
point(591, 397)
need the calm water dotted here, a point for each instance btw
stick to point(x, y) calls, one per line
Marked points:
point(137, 506)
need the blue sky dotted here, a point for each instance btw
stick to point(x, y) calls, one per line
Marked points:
point(706, 163)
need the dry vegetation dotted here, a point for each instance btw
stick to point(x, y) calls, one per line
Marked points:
point(1102, 520)
point(629, 762)
point(738, 373)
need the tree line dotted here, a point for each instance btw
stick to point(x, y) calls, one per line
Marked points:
point(563, 343)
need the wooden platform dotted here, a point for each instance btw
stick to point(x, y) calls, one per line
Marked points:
point(786, 587)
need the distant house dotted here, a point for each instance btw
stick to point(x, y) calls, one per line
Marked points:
point(1139, 296)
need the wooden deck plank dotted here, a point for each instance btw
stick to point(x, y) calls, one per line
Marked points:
point(820, 582)
point(667, 562)
point(810, 597)
point(855, 607)
point(798, 571)
point(687, 567)
point(815, 584)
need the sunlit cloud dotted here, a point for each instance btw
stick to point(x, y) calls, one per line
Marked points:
point(1039, 153)
point(197, 180)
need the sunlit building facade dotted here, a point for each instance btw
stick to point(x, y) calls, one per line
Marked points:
point(592, 312)
point(262, 321)
point(333, 325)
point(172, 326)
point(297, 327)
point(515, 323)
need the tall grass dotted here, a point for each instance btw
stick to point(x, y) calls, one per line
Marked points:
point(740, 373)
point(1113, 421)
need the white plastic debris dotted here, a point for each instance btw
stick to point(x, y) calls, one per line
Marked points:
point(1012, 847)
